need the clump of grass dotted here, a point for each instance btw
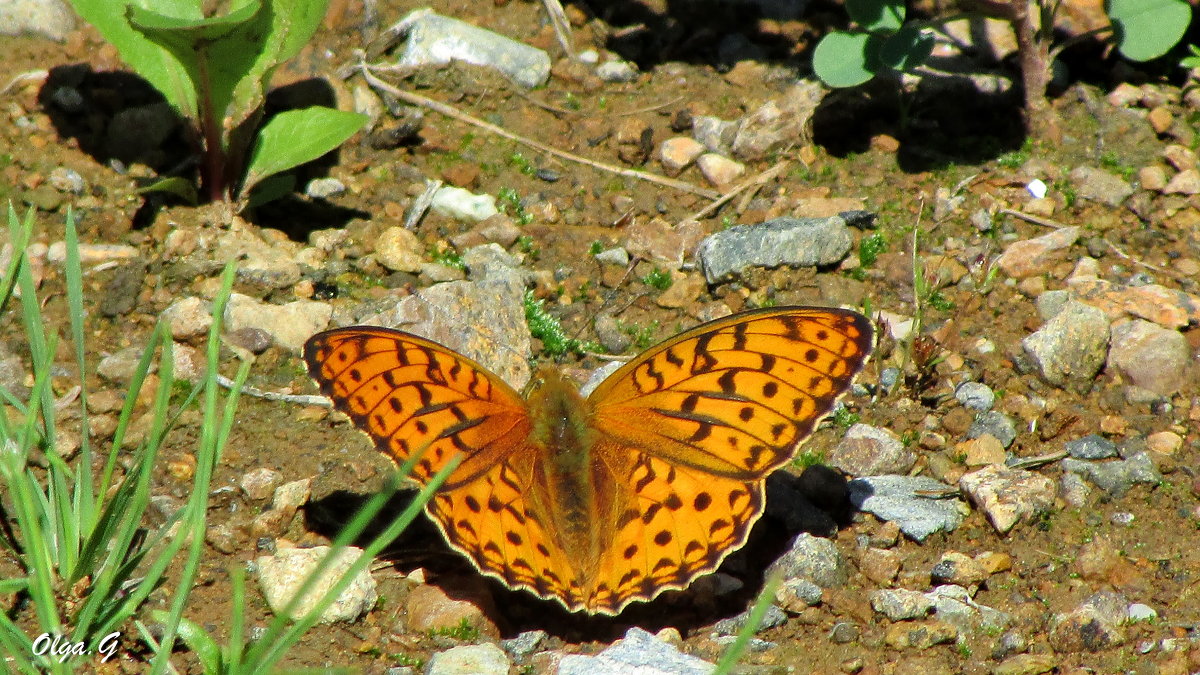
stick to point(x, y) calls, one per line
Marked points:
point(522, 164)
point(465, 631)
point(445, 255)
point(643, 336)
point(658, 279)
point(843, 418)
point(546, 327)
point(510, 205)
point(525, 245)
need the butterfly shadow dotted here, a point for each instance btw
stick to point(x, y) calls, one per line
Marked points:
point(816, 501)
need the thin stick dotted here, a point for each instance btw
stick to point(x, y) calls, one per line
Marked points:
point(761, 178)
point(302, 399)
point(421, 204)
point(450, 111)
point(1044, 222)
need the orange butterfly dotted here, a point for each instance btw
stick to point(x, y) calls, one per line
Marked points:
point(648, 483)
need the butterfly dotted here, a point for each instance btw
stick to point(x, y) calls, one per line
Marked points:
point(646, 484)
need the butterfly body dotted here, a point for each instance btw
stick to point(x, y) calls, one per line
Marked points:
point(596, 502)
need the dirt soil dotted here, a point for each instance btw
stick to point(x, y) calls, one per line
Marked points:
point(968, 147)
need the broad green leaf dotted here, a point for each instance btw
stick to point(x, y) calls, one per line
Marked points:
point(180, 187)
point(907, 49)
point(297, 136)
point(217, 53)
point(159, 67)
point(1147, 29)
point(846, 59)
point(271, 188)
point(876, 15)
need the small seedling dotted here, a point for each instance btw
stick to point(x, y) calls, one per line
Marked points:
point(465, 631)
point(595, 248)
point(525, 245)
point(546, 327)
point(510, 204)
point(843, 418)
point(214, 70)
point(658, 279)
point(444, 255)
point(808, 458)
point(522, 164)
point(643, 336)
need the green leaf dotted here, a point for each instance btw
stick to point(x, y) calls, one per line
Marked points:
point(271, 188)
point(1147, 29)
point(846, 59)
point(201, 643)
point(297, 136)
point(159, 67)
point(907, 49)
point(876, 15)
point(215, 53)
point(176, 185)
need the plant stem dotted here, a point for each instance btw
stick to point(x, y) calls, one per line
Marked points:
point(212, 170)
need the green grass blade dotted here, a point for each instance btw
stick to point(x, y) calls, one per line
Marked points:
point(731, 656)
point(84, 508)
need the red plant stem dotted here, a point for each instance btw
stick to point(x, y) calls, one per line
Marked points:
point(212, 168)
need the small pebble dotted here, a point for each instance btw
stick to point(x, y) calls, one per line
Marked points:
point(975, 395)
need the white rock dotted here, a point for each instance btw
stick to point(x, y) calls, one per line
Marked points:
point(461, 204)
point(282, 574)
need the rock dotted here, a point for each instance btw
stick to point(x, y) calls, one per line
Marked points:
point(894, 498)
point(270, 265)
point(430, 609)
point(324, 188)
point(67, 180)
point(1101, 186)
point(954, 605)
point(812, 558)
point(899, 604)
point(1008, 496)
point(187, 318)
point(658, 240)
point(1139, 612)
point(121, 365)
point(1031, 257)
point(617, 71)
point(1166, 307)
point(463, 205)
point(880, 565)
point(484, 320)
point(868, 451)
point(435, 40)
point(980, 451)
point(778, 123)
point(289, 325)
point(260, 483)
point(481, 659)
point(734, 624)
point(714, 133)
point(524, 643)
point(638, 652)
point(920, 635)
point(797, 594)
point(959, 569)
point(1071, 347)
point(995, 424)
point(1183, 183)
point(975, 396)
point(399, 250)
point(92, 254)
point(1180, 156)
point(718, 170)
point(613, 256)
point(1026, 664)
point(1117, 476)
point(1091, 446)
point(52, 19)
point(796, 242)
point(685, 289)
point(1095, 625)
point(253, 340)
point(677, 153)
point(280, 576)
point(1150, 356)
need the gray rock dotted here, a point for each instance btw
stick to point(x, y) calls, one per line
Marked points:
point(638, 652)
point(484, 320)
point(281, 575)
point(868, 451)
point(1093, 626)
point(480, 659)
point(714, 133)
point(954, 604)
point(617, 71)
point(324, 188)
point(844, 632)
point(796, 594)
point(1051, 303)
point(187, 318)
point(899, 604)
point(67, 180)
point(1071, 347)
point(491, 262)
point(613, 256)
point(1092, 446)
point(1074, 490)
point(1150, 356)
point(1139, 612)
point(734, 624)
point(436, 40)
point(975, 396)
point(51, 19)
point(815, 559)
point(1117, 476)
point(289, 325)
point(1008, 496)
point(995, 423)
point(1099, 185)
point(524, 643)
point(894, 498)
point(796, 242)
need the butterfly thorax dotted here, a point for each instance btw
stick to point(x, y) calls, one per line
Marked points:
point(566, 491)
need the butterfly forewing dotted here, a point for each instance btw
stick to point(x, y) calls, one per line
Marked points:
point(412, 395)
